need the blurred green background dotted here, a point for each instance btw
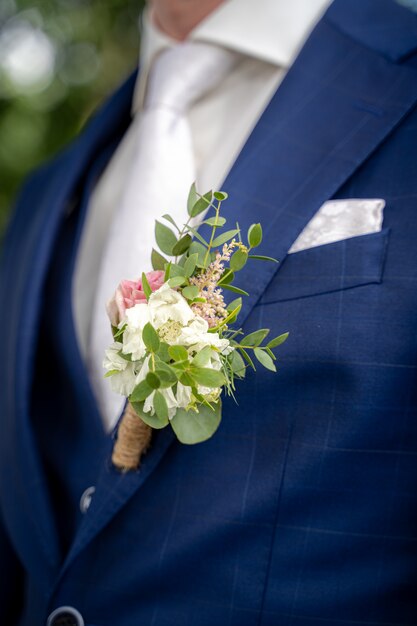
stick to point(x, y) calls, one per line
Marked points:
point(58, 60)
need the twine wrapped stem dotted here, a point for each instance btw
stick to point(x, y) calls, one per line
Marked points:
point(133, 440)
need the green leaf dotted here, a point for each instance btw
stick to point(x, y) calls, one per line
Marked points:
point(158, 261)
point(234, 304)
point(202, 203)
point(187, 380)
point(145, 286)
point(176, 270)
point(160, 406)
point(238, 260)
point(207, 377)
point(152, 420)
point(197, 235)
point(235, 290)
point(263, 258)
point(227, 277)
point(215, 221)
point(150, 338)
point(118, 332)
point(220, 195)
point(200, 250)
point(176, 281)
point(224, 237)
point(153, 380)
point(190, 292)
point(182, 245)
point(111, 373)
point(169, 219)
point(191, 428)
point(277, 341)
point(190, 265)
point(165, 238)
point(202, 358)
point(178, 353)
point(256, 338)
point(237, 364)
point(163, 352)
point(265, 359)
point(141, 392)
point(166, 375)
point(255, 235)
point(247, 357)
point(192, 198)
point(167, 272)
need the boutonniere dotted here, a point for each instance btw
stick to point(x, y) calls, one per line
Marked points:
point(174, 351)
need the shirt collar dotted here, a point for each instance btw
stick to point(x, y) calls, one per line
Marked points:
point(272, 31)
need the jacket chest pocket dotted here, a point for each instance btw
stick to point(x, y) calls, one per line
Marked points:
point(332, 267)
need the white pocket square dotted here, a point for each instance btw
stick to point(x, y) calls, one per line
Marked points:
point(341, 219)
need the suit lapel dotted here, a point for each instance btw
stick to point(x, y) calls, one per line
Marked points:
point(26, 505)
point(338, 102)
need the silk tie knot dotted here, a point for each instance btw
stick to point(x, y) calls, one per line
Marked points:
point(184, 73)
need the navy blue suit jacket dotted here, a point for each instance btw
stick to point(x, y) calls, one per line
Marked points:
point(302, 510)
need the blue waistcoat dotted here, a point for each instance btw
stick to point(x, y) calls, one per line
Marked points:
point(302, 509)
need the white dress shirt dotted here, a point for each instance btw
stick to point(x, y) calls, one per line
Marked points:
point(268, 35)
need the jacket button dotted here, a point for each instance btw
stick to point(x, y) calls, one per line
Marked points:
point(65, 616)
point(86, 498)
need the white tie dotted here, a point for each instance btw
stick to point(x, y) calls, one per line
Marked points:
point(158, 182)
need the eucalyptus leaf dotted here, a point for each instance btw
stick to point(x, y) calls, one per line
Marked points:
point(178, 353)
point(157, 260)
point(238, 260)
point(176, 281)
point(202, 358)
point(191, 427)
point(263, 258)
point(197, 235)
point(160, 406)
point(145, 286)
point(224, 237)
point(153, 380)
point(207, 377)
point(151, 420)
point(166, 375)
point(234, 304)
point(182, 245)
point(141, 392)
point(192, 198)
point(190, 292)
point(265, 359)
point(255, 338)
point(165, 238)
point(202, 204)
point(255, 235)
point(227, 277)
point(220, 195)
point(234, 289)
point(171, 220)
point(190, 265)
point(277, 341)
point(237, 364)
point(150, 338)
point(200, 250)
point(215, 221)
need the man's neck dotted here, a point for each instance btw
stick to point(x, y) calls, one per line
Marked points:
point(177, 18)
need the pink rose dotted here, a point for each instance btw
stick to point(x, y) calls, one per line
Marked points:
point(129, 293)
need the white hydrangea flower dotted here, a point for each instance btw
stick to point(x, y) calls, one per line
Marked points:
point(123, 381)
point(136, 319)
point(166, 304)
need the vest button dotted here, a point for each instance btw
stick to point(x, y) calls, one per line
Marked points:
point(65, 616)
point(85, 499)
